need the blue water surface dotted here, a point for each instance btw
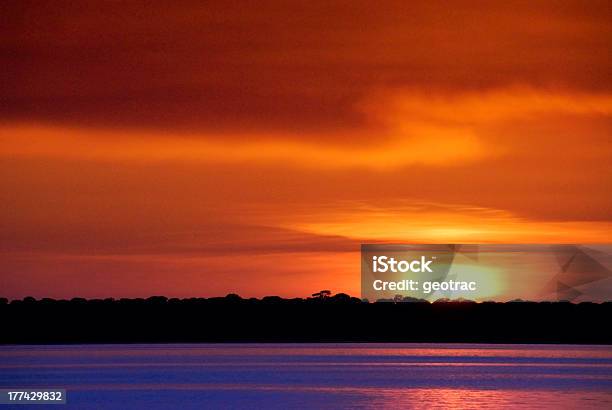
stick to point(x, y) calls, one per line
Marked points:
point(195, 376)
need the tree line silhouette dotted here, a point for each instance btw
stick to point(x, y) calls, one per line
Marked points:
point(320, 318)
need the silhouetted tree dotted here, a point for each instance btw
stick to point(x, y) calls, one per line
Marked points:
point(322, 294)
point(324, 318)
point(232, 297)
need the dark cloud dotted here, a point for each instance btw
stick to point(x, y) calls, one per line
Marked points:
point(273, 64)
point(202, 240)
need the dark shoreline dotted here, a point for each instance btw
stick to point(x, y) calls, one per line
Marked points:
point(325, 320)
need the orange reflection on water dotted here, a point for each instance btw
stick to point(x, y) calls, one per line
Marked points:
point(483, 398)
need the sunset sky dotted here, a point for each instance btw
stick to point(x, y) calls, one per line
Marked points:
point(199, 148)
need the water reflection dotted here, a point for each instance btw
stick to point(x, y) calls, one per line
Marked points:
point(316, 375)
point(483, 399)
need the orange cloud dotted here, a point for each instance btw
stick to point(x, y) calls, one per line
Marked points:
point(443, 223)
point(411, 128)
point(84, 144)
point(403, 108)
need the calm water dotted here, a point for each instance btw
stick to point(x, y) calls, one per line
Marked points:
point(315, 375)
